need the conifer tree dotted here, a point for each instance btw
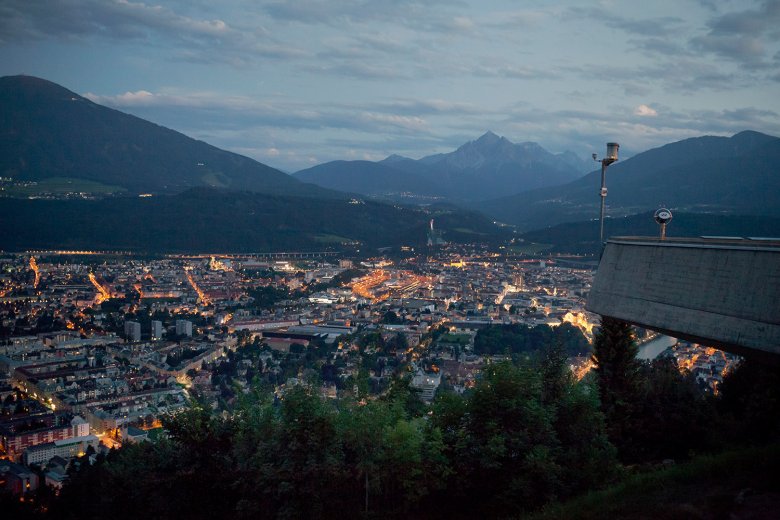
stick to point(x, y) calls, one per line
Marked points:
point(617, 373)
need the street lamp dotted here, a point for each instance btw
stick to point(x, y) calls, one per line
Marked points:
point(663, 216)
point(612, 156)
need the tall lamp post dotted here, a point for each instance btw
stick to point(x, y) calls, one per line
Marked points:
point(612, 156)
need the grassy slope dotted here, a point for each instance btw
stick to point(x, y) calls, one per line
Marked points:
point(707, 487)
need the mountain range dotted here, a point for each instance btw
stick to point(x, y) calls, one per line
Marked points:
point(481, 169)
point(51, 137)
point(202, 198)
point(721, 175)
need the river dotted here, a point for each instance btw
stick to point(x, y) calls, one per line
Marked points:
point(655, 346)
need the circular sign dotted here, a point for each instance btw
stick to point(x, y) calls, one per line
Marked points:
point(663, 216)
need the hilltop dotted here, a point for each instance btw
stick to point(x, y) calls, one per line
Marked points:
point(50, 134)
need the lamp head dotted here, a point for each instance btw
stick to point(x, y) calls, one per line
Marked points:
point(612, 154)
point(612, 151)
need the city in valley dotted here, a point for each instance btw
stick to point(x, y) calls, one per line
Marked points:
point(97, 348)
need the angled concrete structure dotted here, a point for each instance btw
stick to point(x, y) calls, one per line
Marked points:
point(722, 292)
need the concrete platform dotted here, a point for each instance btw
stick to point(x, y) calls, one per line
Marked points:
point(720, 292)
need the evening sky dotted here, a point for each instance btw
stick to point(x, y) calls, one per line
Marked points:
point(295, 83)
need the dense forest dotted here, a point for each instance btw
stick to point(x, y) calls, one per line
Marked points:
point(519, 339)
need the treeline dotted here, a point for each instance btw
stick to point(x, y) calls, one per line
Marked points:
point(654, 411)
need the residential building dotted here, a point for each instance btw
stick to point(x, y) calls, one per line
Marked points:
point(65, 448)
point(183, 328)
point(157, 330)
point(16, 478)
point(132, 331)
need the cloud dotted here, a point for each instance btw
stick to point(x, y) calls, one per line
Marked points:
point(140, 97)
point(184, 37)
point(645, 111)
point(514, 20)
point(240, 123)
point(361, 70)
point(663, 46)
point(117, 18)
point(745, 36)
point(583, 131)
point(463, 23)
point(684, 74)
point(293, 134)
point(243, 111)
point(506, 70)
point(430, 107)
point(631, 88)
point(654, 27)
point(352, 12)
point(207, 100)
point(144, 98)
point(416, 124)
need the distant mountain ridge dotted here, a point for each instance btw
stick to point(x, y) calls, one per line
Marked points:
point(47, 132)
point(368, 178)
point(486, 167)
point(727, 175)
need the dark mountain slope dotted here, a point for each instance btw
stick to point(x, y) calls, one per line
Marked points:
point(205, 219)
point(48, 131)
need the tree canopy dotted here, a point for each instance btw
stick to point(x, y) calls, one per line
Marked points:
point(523, 339)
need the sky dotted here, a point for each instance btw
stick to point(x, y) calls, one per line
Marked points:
point(300, 82)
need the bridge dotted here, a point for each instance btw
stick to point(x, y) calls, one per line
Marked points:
point(722, 292)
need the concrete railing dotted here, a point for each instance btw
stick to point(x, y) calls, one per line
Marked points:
point(718, 291)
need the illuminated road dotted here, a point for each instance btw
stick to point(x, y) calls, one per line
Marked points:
point(103, 293)
point(203, 298)
point(34, 267)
